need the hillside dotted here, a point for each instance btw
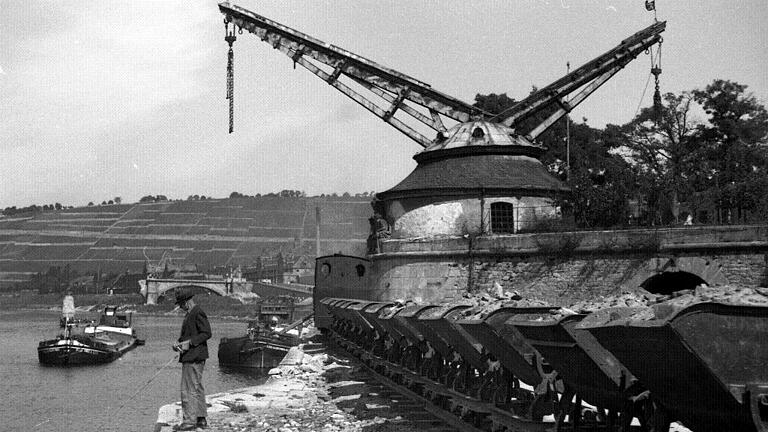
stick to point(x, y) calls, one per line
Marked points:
point(207, 233)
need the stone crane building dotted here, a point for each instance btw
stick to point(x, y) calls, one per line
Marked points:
point(478, 178)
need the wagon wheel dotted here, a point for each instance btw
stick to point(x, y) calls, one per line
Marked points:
point(563, 408)
point(518, 392)
point(758, 406)
point(500, 395)
point(542, 366)
point(497, 427)
point(576, 413)
point(487, 389)
point(436, 367)
point(414, 358)
point(466, 413)
point(542, 405)
point(460, 381)
point(656, 418)
point(424, 366)
point(447, 376)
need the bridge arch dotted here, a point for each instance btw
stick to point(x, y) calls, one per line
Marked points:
point(155, 290)
point(214, 288)
point(663, 275)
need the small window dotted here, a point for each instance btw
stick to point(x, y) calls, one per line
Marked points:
point(502, 218)
point(360, 270)
point(325, 269)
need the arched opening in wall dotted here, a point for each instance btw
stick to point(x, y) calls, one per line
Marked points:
point(502, 218)
point(669, 282)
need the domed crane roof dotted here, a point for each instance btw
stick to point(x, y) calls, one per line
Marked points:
point(474, 157)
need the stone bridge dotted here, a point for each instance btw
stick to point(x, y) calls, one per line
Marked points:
point(153, 289)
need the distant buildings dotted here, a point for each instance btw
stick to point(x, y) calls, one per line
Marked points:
point(282, 269)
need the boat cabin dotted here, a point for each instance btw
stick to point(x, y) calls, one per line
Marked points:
point(110, 317)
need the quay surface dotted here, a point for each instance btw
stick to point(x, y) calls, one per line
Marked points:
point(307, 392)
point(311, 393)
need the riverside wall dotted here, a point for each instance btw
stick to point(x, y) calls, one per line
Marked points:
point(565, 267)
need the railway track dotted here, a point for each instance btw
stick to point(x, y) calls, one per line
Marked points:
point(456, 411)
point(401, 399)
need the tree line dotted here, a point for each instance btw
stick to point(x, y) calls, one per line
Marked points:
point(700, 156)
point(34, 208)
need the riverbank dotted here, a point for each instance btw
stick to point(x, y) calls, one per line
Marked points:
point(307, 392)
point(87, 304)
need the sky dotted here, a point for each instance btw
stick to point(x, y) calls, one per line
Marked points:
point(127, 98)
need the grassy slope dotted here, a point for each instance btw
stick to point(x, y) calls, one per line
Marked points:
point(116, 238)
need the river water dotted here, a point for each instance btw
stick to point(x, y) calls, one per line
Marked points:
point(101, 397)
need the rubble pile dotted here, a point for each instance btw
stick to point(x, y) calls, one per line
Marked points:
point(665, 306)
point(483, 303)
point(634, 299)
point(310, 393)
point(726, 294)
point(482, 310)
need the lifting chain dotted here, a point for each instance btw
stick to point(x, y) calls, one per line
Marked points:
point(230, 38)
point(656, 71)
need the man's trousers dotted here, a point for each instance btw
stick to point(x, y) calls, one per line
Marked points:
point(192, 391)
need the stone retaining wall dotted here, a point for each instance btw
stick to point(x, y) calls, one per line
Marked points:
point(566, 267)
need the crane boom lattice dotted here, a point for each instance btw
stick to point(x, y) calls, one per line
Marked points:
point(399, 92)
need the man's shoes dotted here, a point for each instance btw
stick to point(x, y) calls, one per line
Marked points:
point(202, 423)
point(185, 427)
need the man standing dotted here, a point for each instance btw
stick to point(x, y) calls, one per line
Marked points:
point(193, 350)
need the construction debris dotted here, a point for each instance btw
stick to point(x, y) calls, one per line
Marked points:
point(305, 393)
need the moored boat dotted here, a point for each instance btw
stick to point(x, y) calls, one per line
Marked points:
point(68, 313)
point(261, 347)
point(100, 343)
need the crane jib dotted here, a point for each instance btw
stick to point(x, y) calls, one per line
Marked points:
point(394, 93)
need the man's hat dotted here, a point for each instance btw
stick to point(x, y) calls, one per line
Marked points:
point(183, 295)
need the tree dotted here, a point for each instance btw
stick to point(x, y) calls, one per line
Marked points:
point(601, 183)
point(90, 204)
point(734, 151)
point(718, 164)
point(661, 146)
point(118, 200)
point(235, 195)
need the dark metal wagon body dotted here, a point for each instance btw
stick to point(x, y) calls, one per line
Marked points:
point(708, 362)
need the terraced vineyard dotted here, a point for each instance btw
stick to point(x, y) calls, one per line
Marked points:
point(208, 233)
